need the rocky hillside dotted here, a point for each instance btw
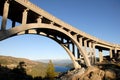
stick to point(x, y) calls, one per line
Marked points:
point(7, 60)
point(33, 68)
point(107, 70)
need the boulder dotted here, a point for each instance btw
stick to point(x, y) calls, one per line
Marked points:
point(110, 75)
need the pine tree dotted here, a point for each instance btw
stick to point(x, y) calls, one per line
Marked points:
point(51, 74)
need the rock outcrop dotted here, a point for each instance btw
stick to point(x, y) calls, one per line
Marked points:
point(100, 72)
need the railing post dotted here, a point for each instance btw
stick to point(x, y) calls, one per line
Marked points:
point(5, 15)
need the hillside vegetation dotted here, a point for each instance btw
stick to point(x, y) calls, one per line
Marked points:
point(33, 68)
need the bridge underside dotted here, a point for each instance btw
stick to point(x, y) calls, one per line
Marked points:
point(80, 46)
point(15, 12)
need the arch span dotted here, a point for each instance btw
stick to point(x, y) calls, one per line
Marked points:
point(64, 38)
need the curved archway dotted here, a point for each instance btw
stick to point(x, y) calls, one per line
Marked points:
point(53, 32)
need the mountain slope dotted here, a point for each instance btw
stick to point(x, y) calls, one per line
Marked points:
point(32, 67)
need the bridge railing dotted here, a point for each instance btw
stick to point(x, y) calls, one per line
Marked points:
point(25, 0)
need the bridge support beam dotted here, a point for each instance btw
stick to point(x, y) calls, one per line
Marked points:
point(78, 53)
point(80, 41)
point(114, 53)
point(24, 16)
point(5, 15)
point(73, 49)
point(90, 52)
point(68, 45)
point(111, 54)
point(93, 52)
point(85, 45)
point(100, 55)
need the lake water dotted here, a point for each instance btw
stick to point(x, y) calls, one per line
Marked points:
point(61, 69)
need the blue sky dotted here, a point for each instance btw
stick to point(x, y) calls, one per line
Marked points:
point(100, 18)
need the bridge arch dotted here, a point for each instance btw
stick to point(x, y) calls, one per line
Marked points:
point(61, 36)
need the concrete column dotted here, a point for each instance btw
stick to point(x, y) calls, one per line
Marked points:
point(24, 17)
point(81, 44)
point(80, 41)
point(39, 19)
point(111, 55)
point(90, 47)
point(115, 53)
point(73, 49)
point(90, 52)
point(5, 15)
point(100, 55)
point(85, 45)
point(118, 55)
point(68, 45)
point(93, 53)
point(78, 53)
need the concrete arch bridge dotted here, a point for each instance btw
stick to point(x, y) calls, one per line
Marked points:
point(79, 45)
